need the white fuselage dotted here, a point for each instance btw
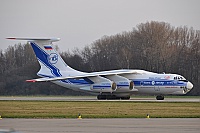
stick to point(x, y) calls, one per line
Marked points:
point(144, 83)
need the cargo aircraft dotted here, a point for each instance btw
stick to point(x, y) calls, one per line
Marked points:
point(114, 84)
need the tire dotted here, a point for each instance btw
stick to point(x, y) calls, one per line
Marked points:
point(160, 97)
point(125, 98)
point(101, 97)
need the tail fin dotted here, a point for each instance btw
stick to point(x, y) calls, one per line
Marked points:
point(52, 65)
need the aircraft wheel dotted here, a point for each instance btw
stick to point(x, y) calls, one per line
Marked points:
point(109, 97)
point(101, 97)
point(160, 97)
point(112, 97)
point(125, 98)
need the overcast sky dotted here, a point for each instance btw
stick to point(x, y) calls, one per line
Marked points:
point(80, 22)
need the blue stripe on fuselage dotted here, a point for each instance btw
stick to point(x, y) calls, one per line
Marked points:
point(101, 86)
point(147, 82)
point(78, 81)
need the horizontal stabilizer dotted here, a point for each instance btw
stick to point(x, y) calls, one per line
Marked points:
point(35, 39)
point(39, 80)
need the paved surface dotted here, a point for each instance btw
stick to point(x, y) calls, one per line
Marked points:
point(94, 99)
point(171, 125)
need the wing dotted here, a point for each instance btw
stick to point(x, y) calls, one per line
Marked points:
point(91, 75)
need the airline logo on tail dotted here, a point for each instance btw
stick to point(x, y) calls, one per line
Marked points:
point(53, 58)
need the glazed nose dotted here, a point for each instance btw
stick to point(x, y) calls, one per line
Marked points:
point(189, 85)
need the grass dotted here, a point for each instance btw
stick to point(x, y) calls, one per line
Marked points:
point(98, 109)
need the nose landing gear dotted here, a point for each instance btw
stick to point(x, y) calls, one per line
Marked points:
point(160, 97)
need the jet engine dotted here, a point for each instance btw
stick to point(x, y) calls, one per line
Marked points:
point(104, 87)
point(125, 85)
point(122, 83)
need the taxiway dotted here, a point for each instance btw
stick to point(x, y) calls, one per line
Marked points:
point(166, 125)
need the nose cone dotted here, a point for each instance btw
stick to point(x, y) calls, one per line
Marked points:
point(189, 85)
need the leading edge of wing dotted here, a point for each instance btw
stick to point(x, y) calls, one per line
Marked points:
point(94, 74)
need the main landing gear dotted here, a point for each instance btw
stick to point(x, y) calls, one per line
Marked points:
point(160, 97)
point(111, 97)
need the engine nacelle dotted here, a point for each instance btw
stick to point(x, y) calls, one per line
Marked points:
point(131, 85)
point(123, 83)
point(104, 87)
point(125, 86)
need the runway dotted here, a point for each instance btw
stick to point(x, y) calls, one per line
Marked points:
point(167, 125)
point(93, 98)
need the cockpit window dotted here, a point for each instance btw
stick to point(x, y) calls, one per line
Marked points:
point(180, 78)
point(183, 80)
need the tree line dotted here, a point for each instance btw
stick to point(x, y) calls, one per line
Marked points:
point(152, 46)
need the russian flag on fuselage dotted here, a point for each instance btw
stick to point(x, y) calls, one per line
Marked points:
point(48, 47)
